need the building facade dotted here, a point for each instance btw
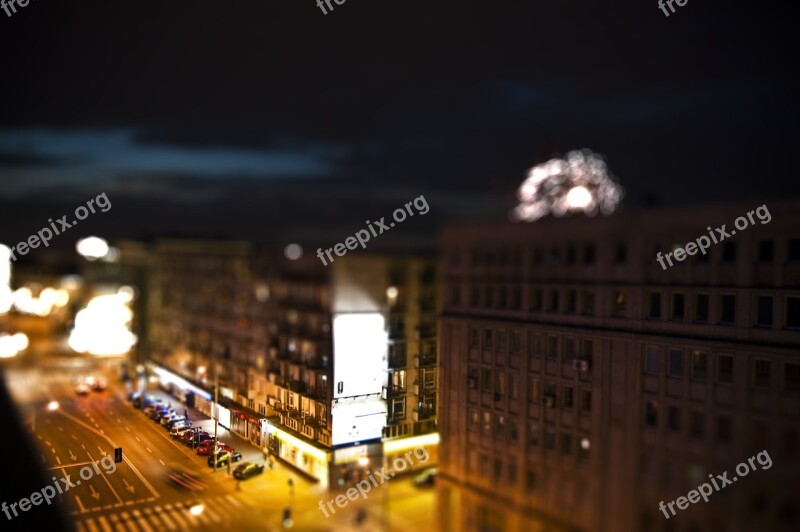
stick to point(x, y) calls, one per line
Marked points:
point(302, 350)
point(585, 384)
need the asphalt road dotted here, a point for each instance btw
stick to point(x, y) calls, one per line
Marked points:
point(138, 494)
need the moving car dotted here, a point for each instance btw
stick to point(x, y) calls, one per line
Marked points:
point(223, 457)
point(184, 478)
point(97, 384)
point(246, 470)
point(426, 478)
point(82, 389)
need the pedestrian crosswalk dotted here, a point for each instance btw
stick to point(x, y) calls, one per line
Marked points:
point(169, 516)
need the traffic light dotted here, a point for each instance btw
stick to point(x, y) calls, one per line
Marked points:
point(118, 455)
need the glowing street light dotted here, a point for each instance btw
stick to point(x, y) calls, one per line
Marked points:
point(92, 247)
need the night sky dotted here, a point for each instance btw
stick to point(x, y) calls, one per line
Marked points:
point(273, 122)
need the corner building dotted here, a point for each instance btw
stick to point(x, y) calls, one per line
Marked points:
point(584, 384)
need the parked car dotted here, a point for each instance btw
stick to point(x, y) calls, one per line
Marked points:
point(223, 457)
point(178, 429)
point(174, 421)
point(159, 411)
point(169, 417)
point(246, 470)
point(204, 448)
point(186, 437)
point(199, 439)
point(426, 478)
point(98, 384)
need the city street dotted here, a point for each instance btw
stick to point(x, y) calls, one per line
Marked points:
point(138, 493)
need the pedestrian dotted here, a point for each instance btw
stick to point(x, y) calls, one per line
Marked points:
point(266, 457)
point(229, 466)
point(185, 414)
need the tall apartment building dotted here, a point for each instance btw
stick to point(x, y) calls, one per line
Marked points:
point(585, 384)
point(303, 350)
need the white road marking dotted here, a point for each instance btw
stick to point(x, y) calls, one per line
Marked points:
point(137, 439)
point(80, 505)
point(148, 449)
point(162, 462)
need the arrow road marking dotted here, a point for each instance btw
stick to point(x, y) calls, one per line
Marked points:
point(72, 456)
point(95, 493)
point(102, 452)
point(128, 486)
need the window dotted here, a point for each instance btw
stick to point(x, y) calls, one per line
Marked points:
point(620, 254)
point(536, 299)
point(502, 297)
point(728, 251)
point(793, 312)
point(572, 301)
point(487, 421)
point(499, 426)
point(588, 254)
point(474, 297)
point(500, 382)
point(530, 480)
point(791, 375)
point(498, 469)
point(764, 311)
point(793, 251)
point(487, 380)
point(588, 349)
point(699, 365)
point(728, 310)
point(701, 308)
point(534, 344)
point(759, 434)
point(566, 396)
point(502, 341)
point(538, 256)
point(513, 430)
point(472, 377)
point(488, 297)
point(516, 298)
point(724, 428)
point(619, 303)
point(533, 391)
point(484, 469)
point(553, 307)
point(588, 302)
point(552, 347)
point(512, 474)
point(586, 401)
point(765, 250)
point(555, 256)
point(474, 419)
point(514, 386)
point(572, 255)
point(487, 339)
point(652, 360)
point(724, 369)
point(677, 306)
point(549, 439)
point(674, 418)
point(566, 443)
point(651, 413)
point(698, 425)
point(533, 434)
point(762, 372)
point(455, 296)
point(569, 348)
point(675, 363)
point(515, 341)
point(655, 305)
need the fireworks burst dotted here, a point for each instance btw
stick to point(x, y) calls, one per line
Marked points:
point(579, 182)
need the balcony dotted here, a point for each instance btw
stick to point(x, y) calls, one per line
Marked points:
point(399, 361)
point(393, 391)
point(297, 386)
point(422, 415)
point(425, 361)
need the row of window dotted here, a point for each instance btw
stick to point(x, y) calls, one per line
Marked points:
point(700, 367)
point(722, 430)
point(573, 301)
point(586, 255)
point(538, 344)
